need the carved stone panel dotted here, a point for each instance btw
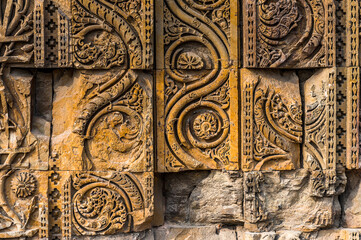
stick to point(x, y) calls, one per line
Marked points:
point(24, 204)
point(282, 110)
point(109, 34)
point(347, 33)
point(320, 133)
point(196, 79)
point(271, 120)
point(196, 35)
point(35, 33)
point(101, 100)
point(104, 203)
point(348, 116)
point(57, 27)
point(197, 120)
point(96, 120)
point(23, 142)
point(19, 23)
point(103, 121)
point(320, 119)
point(289, 34)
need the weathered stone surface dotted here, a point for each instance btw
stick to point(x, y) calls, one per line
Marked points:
point(134, 119)
point(203, 197)
point(178, 188)
point(230, 233)
point(350, 201)
point(271, 120)
point(284, 201)
point(106, 118)
point(289, 34)
point(332, 234)
point(258, 236)
point(217, 199)
point(193, 233)
point(146, 235)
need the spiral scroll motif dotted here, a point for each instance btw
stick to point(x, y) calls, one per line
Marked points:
point(113, 16)
point(196, 124)
point(289, 32)
point(104, 205)
point(278, 126)
point(115, 133)
point(100, 208)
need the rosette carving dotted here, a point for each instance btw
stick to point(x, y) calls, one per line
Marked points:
point(24, 185)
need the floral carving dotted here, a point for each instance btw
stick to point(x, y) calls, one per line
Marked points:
point(273, 121)
point(196, 106)
point(189, 60)
point(121, 41)
point(276, 125)
point(104, 51)
point(115, 122)
point(16, 29)
point(320, 135)
point(115, 132)
point(289, 33)
point(221, 16)
point(24, 185)
point(206, 126)
point(105, 204)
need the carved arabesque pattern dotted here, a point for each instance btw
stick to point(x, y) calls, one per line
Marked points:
point(114, 122)
point(289, 33)
point(275, 121)
point(327, 174)
point(197, 84)
point(197, 105)
point(104, 205)
point(15, 30)
point(105, 50)
point(272, 124)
